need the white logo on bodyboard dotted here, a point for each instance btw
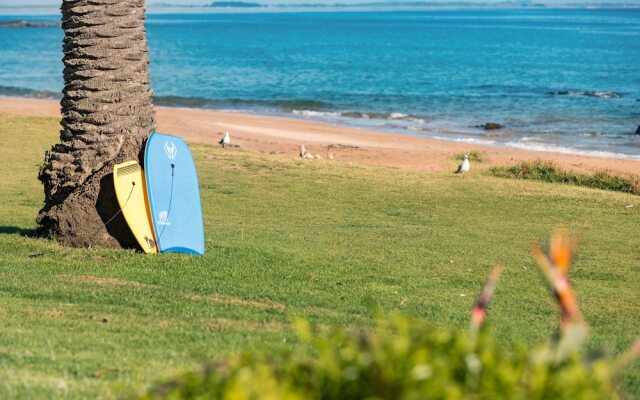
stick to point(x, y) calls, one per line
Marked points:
point(170, 150)
point(163, 218)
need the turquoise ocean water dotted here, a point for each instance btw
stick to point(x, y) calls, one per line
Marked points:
point(562, 80)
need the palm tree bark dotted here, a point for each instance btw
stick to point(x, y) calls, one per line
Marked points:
point(107, 114)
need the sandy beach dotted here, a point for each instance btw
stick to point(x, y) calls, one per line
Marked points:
point(283, 136)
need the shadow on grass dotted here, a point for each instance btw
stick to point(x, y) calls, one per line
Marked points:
point(109, 210)
point(14, 230)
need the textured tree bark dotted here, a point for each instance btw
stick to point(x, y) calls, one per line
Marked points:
point(107, 114)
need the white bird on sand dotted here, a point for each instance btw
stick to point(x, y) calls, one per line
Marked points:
point(226, 140)
point(464, 166)
point(304, 154)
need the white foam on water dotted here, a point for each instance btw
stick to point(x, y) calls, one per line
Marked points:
point(397, 115)
point(418, 120)
point(551, 148)
point(311, 113)
point(436, 128)
point(588, 93)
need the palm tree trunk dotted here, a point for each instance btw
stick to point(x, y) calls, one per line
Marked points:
point(107, 114)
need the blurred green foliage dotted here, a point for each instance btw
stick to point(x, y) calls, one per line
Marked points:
point(401, 358)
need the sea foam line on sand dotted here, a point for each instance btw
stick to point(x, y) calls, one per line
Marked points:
point(550, 148)
point(432, 129)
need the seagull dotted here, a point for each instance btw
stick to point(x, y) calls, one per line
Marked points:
point(226, 140)
point(304, 154)
point(464, 166)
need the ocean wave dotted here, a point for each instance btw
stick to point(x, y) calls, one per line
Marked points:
point(587, 93)
point(312, 113)
point(391, 116)
point(551, 148)
point(11, 91)
point(364, 115)
point(203, 102)
point(295, 104)
point(179, 101)
point(356, 115)
point(398, 115)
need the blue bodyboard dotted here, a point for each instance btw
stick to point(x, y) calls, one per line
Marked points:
point(174, 195)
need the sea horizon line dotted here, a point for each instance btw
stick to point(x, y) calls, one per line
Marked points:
point(364, 7)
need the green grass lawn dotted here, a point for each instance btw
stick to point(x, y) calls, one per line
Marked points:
point(323, 240)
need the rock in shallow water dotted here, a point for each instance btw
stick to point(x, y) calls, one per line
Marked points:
point(638, 130)
point(490, 126)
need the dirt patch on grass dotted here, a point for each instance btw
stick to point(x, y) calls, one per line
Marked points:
point(236, 301)
point(102, 281)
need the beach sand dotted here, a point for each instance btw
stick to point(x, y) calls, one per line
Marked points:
point(283, 136)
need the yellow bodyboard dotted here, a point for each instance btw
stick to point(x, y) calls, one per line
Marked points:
point(131, 192)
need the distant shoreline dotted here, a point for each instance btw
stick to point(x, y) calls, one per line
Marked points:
point(386, 123)
point(282, 137)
